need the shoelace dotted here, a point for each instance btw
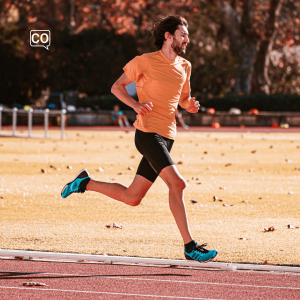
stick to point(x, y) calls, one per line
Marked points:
point(201, 248)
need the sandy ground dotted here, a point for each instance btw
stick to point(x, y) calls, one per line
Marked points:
point(255, 172)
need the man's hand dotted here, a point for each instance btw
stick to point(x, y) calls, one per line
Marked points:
point(194, 106)
point(143, 109)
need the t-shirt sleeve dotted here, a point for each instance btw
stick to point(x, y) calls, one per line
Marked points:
point(136, 67)
point(187, 86)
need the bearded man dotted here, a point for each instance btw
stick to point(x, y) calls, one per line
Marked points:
point(162, 81)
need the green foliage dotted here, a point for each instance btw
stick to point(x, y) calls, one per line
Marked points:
point(20, 72)
point(276, 102)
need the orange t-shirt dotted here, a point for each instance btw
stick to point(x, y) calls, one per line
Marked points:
point(160, 81)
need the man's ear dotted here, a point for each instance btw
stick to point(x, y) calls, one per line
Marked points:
point(168, 35)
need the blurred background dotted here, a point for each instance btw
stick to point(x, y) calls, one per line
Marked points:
point(244, 54)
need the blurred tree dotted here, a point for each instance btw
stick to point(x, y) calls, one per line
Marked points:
point(252, 27)
point(213, 66)
point(79, 15)
point(89, 61)
point(22, 76)
point(232, 41)
point(91, 40)
point(285, 55)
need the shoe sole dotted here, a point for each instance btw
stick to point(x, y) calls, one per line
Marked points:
point(203, 261)
point(74, 180)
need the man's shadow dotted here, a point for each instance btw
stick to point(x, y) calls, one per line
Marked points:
point(39, 275)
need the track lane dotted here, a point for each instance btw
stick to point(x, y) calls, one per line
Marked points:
point(76, 280)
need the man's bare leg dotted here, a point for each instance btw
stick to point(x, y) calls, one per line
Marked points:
point(134, 194)
point(131, 195)
point(176, 185)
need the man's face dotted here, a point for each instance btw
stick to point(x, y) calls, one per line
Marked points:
point(180, 40)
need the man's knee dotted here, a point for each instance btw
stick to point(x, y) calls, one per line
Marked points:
point(133, 200)
point(173, 179)
point(137, 190)
point(181, 184)
point(178, 183)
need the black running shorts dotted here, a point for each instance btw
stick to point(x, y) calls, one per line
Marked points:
point(156, 153)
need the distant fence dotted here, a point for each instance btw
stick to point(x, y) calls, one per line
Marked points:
point(264, 118)
point(30, 114)
point(103, 118)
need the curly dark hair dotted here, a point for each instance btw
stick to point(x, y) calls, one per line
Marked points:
point(169, 24)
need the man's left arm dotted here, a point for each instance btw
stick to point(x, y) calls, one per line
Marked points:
point(189, 103)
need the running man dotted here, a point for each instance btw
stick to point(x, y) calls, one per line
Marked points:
point(163, 81)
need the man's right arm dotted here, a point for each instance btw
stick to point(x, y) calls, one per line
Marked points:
point(119, 90)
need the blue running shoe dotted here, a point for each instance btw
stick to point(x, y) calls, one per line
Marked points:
point(74, 185)
point(199, 253)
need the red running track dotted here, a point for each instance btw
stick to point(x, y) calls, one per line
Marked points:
point(65, 280)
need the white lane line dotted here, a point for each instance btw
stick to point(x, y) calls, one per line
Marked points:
point(107, 293)
point(201, 282)
point(162, 280)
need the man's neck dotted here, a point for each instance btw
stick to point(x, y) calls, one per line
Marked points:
point(168, 52)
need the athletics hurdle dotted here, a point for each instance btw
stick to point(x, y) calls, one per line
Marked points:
point(46, 112)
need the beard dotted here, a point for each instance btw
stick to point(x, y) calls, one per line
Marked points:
point(177, 47)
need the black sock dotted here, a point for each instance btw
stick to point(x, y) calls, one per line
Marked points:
point(83, 184)
point(189, 246)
